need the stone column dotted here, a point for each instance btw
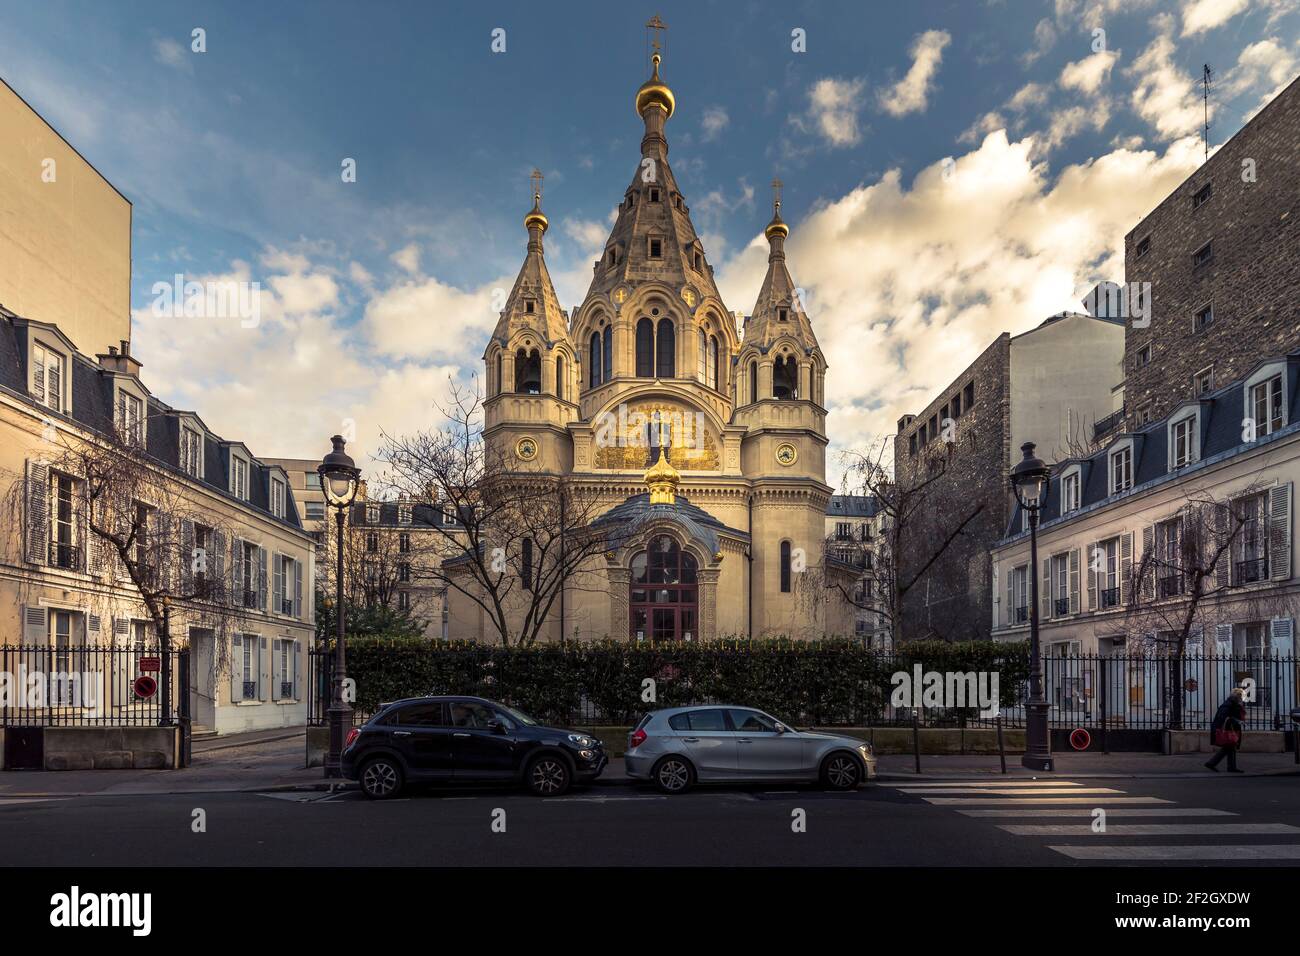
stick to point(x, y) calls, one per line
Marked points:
point(708, 606)
point(620, 623)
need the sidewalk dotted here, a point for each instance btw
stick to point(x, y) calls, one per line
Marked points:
point(1083, 765)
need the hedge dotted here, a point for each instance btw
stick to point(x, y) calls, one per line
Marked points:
point(824, 683)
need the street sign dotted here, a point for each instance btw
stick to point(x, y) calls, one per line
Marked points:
point(145, 686)
point(150, 665)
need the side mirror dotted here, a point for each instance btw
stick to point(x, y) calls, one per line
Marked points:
point(782, 728)
point(496, 727)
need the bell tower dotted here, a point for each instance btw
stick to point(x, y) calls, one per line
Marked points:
point(531, 365)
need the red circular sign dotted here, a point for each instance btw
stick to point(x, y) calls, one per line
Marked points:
point(145, 686)
point(1080, 739)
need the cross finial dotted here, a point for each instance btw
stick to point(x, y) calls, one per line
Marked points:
point(776, 194)
point(536, 180)
point(658, 26)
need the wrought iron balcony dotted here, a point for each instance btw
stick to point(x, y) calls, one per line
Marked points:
point(1022, 614)
point(1061, 607)
point(66, 556)
point(1171, 585)
point(1248, 572)
point(1108, 598)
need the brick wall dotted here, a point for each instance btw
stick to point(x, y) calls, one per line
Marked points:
point(1251, 281)
point(953, 599)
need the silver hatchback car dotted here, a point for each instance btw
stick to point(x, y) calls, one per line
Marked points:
point(681, 746)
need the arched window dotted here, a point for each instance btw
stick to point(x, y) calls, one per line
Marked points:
point(526, 565)
point(753, 382)
point(702, 360)
point(607, 369)
point(785, 567)
point(594, 363)
point(666, 350)
point(713, 361)
point(559, 377)
point(785, 378)
point(528, 372)
point(664, 600)
point(645, 349)
point(498, 387)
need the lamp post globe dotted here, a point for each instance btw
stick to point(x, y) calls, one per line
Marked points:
point(339, 480)
point(1031, 482)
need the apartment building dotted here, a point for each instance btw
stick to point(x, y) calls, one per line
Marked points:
point(1126, 532)
point(856, 529)
point(1048, 385)
point(1222, 256)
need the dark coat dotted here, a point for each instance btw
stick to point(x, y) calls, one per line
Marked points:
point(1233, 710)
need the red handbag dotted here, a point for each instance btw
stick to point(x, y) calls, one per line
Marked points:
point(1226, 738)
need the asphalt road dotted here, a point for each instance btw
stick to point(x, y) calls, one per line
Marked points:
point(1208, 821)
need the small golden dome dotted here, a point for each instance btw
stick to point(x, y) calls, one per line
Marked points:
point(662, 480)
point(535, 216)
point(655, 91)
point(776, 227)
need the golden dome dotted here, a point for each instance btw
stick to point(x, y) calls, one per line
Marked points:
point(776, 228)
point(655, 91)
point(536, 217)
point(662, 479)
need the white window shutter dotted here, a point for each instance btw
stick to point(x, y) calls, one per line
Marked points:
point(1279, 532)
point(216, 562)
point(237, 572)
point(36, 630)
point(38, 513)
point(187, 557)
point(294, 649)
point(311, 577)
point(261, 581)
point(1074, 581)
point(297, 589)
point(1046, 595)
point(1223, 639)
point(277, 583)
point(1282, 637)
point(94, 627)
point(263, 669)
point(237, 668)
point(1092, 575)
point(276, 673)
point(1149, 572)
point(1222, 570)
point(1125, 566)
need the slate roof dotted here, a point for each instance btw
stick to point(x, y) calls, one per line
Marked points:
point(624, 521)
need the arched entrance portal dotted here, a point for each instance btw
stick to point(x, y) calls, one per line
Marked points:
point(665, 592)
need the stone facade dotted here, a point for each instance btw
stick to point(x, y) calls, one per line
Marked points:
point(1249, 281)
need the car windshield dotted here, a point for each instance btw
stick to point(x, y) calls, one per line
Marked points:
point(520, 716)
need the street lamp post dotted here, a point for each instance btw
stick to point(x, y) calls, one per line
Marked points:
point(339, 477)
point(1031, 482)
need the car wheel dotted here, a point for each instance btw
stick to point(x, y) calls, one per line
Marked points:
point(381, 778)
point(841, 771)
point(673, 775)
point(548, 776)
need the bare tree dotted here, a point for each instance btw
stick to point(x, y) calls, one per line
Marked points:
point(521, 539)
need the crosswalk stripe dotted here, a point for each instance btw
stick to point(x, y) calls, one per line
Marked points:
point(1013, 793)
point(981, 783)
point(1150, 829)
point(1224, 852)
point(1027, 801)
point(1116, 812)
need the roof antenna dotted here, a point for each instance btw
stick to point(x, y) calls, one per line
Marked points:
point(1207, 78)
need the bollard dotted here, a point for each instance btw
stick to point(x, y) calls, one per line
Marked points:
point(1002, 748)
point(916, 739)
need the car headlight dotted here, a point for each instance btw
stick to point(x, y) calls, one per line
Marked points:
point(583, 741)
point(586, 754)
point(865, 750)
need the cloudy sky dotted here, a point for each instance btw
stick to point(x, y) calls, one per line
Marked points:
point(953, 170)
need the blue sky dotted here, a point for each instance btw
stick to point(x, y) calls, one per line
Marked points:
point(232, 160)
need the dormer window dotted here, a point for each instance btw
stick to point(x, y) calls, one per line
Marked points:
point(611, 257)
point(277, 497)
point(1070, 482)
point(1121, 469)
point(48, 377)
point(529, 306)
point(238, 477)
point(654, 194)
point(656, 249)
point(782, 314)
point(699, 261)
point(403, 514)
point(372, 513)
point(1182, 441)
point(191, 451)
point(129, 419)
point(1266, 405)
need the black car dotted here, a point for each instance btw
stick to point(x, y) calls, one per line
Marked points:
point(431, 740)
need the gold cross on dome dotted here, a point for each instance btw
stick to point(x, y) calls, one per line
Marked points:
point(536, 181)
point(776, 192)
point(654, 23)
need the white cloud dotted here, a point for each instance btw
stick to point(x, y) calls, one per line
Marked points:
point(428, 319)
point(714, 121)
point(1088, 75)
point(1164, 95)
point(1266, 65)
point(1044, 39)
point(910, 94)
point(170, 53)
point(1029, 95)
point(833, 106)
point(1202, 15)
point(888, 275)
point(408, 259)
point(986, 124)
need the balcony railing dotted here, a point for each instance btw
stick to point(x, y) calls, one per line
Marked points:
point(1022, 614)
point(1248, 572)
point(1107, 425)
point(250, 599)
point(1061, 607)
point(1171, 585)
point(1108, 598)
point(65, 556)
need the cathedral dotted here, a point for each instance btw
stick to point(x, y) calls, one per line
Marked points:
point(706, 441)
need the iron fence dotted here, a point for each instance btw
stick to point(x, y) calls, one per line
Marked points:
point(91, 685)
point(1114, 692)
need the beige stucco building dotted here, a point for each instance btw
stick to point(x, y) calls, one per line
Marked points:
point(722, 547)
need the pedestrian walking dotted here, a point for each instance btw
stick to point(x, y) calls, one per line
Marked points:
point(1226, 730)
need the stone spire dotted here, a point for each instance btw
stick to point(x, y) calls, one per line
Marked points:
point(778, 311)
point(532, 303)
